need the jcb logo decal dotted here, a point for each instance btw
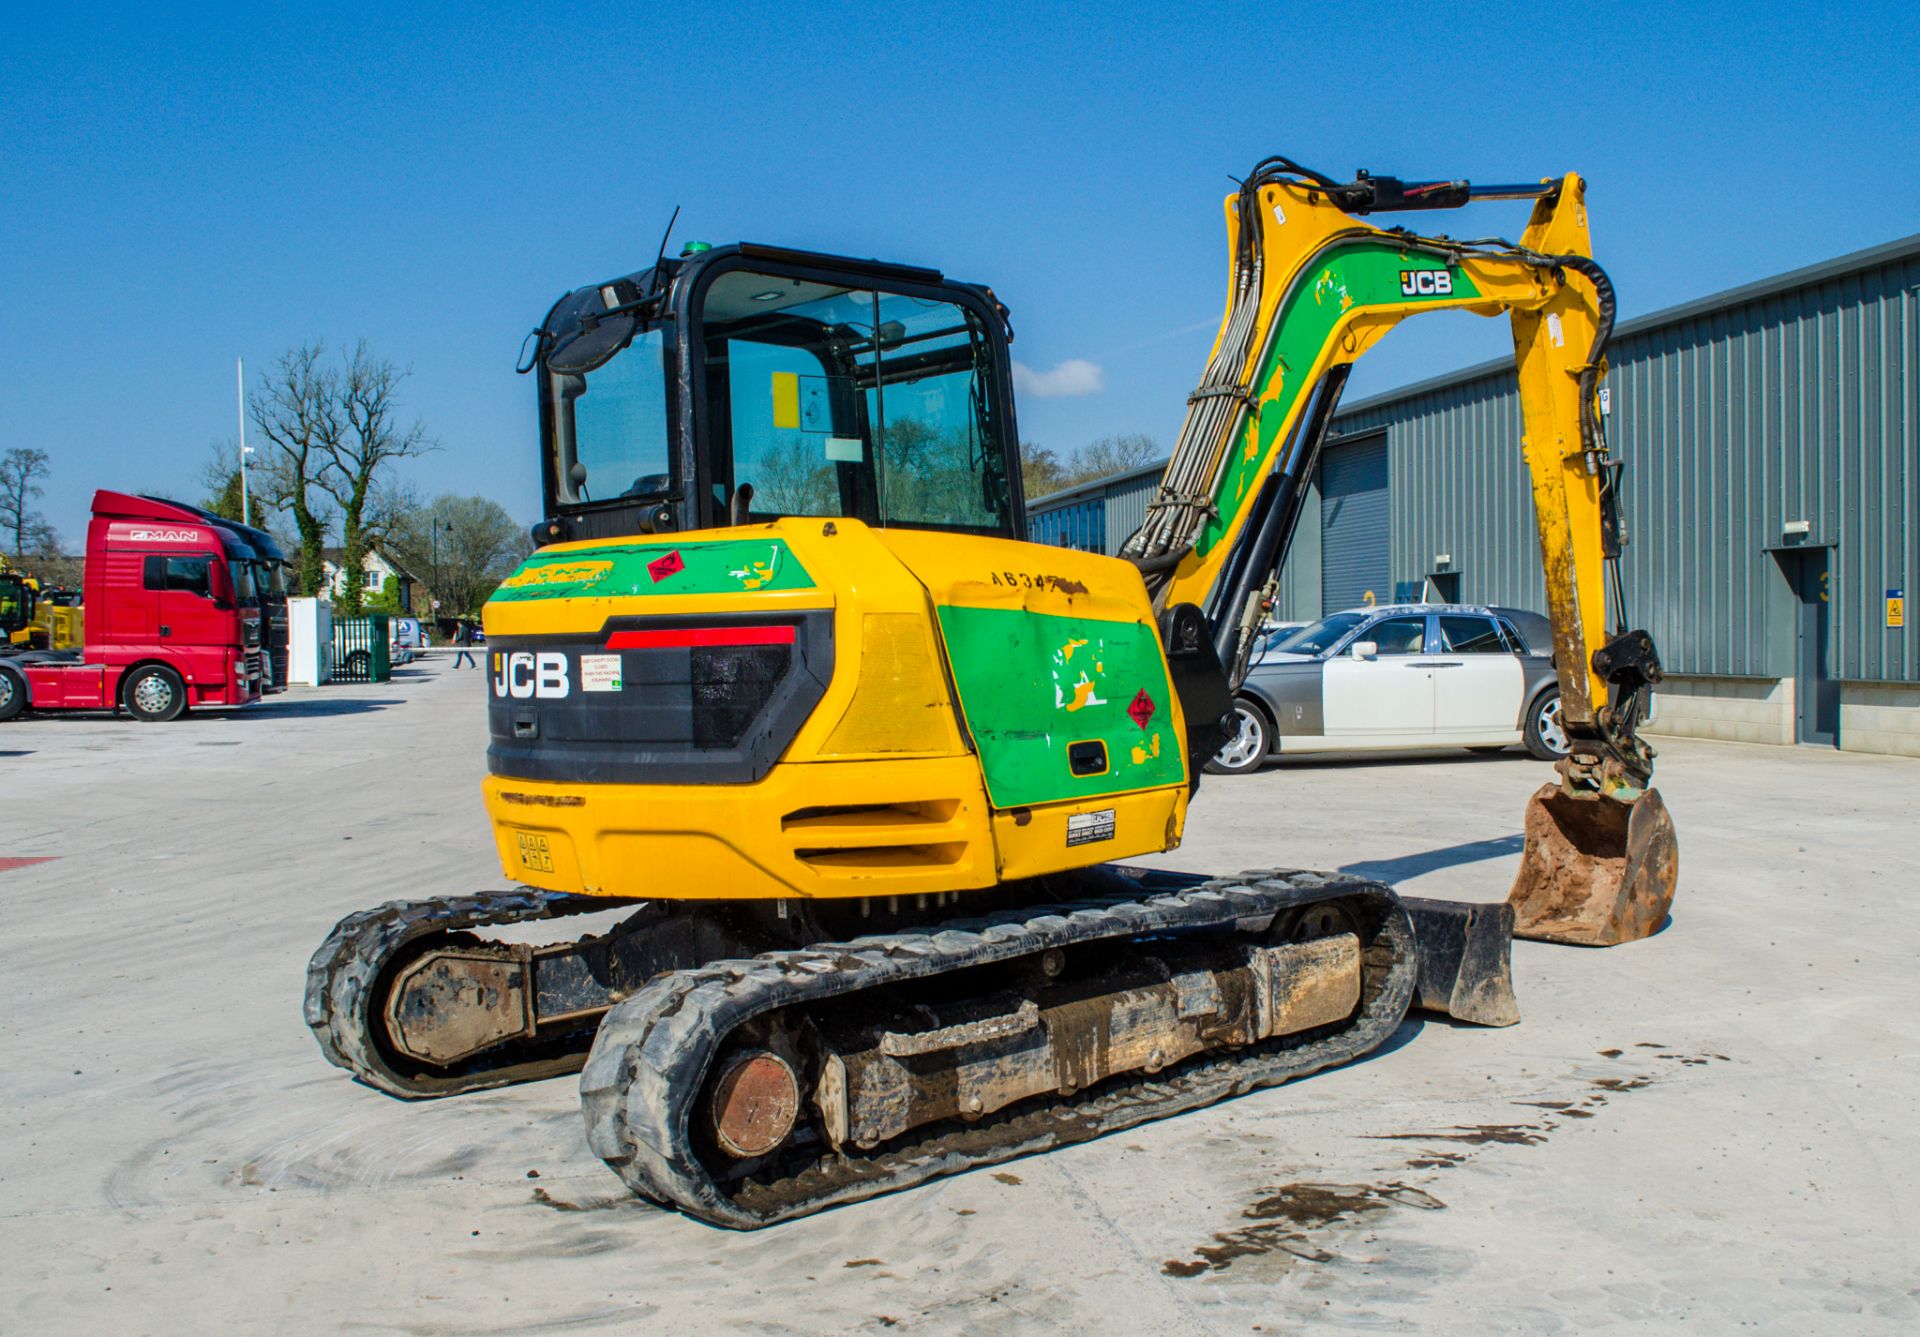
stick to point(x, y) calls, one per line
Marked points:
point(1426, 283)
point(523, 673)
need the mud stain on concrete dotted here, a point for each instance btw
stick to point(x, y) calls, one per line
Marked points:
point(611, 1203)
point(1287, 1218)
point(1478, 1135)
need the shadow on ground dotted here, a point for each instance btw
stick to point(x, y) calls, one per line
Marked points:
point(1429, 861)
point(1355, 760)
point(316, 707)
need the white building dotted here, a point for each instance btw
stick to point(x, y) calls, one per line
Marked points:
point(375, 569)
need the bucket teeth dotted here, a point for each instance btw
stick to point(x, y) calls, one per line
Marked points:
point(1596, 872)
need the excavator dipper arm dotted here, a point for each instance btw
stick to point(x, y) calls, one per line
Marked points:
point(1312, 288)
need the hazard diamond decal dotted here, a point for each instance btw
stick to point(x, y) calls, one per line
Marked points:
point(662, 567)
point(1142, 709)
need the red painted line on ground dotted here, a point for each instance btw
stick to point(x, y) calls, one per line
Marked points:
point(7, 865)
point(684, 637)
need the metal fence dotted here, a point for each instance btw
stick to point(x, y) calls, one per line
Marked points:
point(360, 649)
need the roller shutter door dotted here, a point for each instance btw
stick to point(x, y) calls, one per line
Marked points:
point(1354, 525)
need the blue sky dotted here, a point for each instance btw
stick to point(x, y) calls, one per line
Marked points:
point(184, 185)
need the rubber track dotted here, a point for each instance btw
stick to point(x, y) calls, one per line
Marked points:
point(343, 1012)
point(652, 1053)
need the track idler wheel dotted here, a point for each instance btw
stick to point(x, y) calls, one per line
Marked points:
point(1596, 872)
point(754, 1103)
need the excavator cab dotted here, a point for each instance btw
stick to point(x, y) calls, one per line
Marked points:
point(16, 606)
point(744, 384)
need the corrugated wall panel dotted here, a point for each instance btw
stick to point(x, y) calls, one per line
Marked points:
point(1356, 520)
point(1127, 509)
point(1798, 404)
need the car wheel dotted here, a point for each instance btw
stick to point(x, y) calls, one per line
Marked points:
point(154, 694)
point(1546, 735)
point(360, 664)
point(13, 694)
point(1248, 746)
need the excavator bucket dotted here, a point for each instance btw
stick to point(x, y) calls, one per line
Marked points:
point(1596, 872)
point(1466, 960)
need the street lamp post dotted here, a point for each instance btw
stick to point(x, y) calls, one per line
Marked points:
point(240, 387)
point(435, 525)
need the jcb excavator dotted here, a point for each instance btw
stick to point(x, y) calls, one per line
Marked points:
point(33, 617)
point(784, 679)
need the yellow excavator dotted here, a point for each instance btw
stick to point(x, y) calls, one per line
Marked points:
point(784, 683)
point(33, 617)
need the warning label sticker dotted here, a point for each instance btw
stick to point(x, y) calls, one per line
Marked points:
point(599, 673)
point(1084, 828)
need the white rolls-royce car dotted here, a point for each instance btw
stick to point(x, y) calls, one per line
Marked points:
point(1399, 677)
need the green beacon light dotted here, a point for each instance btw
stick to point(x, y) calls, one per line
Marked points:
point(694, 248)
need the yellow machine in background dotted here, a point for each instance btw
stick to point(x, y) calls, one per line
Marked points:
point(35, 618)
point(786, 679)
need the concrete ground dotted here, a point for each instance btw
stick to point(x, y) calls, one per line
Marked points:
point(1717, 1128)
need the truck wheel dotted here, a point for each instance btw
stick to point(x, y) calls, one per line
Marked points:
point(154, 694)
point(13, 694)
point(359, 665)
point(1545, 736)
point(1251, 741)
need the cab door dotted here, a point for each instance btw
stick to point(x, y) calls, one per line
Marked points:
point(1477, 680)
point(182, 591)
point(129, 613)
point(1386, 699)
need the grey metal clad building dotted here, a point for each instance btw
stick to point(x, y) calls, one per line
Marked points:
point(1772, 444)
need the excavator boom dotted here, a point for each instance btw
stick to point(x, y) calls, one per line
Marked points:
point(1312, 289)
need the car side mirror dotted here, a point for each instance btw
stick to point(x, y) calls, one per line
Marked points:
point(1364, 649)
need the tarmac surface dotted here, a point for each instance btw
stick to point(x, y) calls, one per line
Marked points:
point(1716, 1129)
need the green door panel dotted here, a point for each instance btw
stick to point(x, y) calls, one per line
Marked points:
point(1031, 684)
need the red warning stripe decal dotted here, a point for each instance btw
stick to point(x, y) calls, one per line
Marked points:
point(681, 638)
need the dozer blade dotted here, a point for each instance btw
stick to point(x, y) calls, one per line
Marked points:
point(1466, 960)
point(1596, 872)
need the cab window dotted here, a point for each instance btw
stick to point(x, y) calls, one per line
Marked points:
point(184, 574)
point(611, 424)
point(1398, 635)
point(827, 400)
point(1471, 636)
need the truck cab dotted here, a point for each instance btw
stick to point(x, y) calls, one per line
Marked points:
point(173, 620)
point(270, 570)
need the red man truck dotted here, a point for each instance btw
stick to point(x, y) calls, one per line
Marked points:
point(173, 619)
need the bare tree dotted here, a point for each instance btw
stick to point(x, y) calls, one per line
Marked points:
point(1041, 471)
point(477, 545)
point(1111, 455)
point(392, 508)
point(298, 413)
point(367, 396)
point(220, 476)
point(18, 469)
